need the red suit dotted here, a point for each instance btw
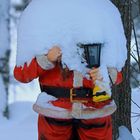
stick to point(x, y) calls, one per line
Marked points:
point(101, 128)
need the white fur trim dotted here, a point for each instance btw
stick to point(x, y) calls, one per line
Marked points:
point(77, 79)
point(52, 113)
point(44, 63)
point(43, 106)
point(92, 113)
point(77, 110)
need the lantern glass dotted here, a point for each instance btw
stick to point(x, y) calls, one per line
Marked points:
point(92, 54)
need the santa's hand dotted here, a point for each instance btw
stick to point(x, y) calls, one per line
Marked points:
point(54, 54)
point(95, 74)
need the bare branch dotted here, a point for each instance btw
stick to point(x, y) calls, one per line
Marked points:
point(135, 116)
point(134, 57)
point(137, 46)
point(135, 113)
point(138, 130)
point(135, 103)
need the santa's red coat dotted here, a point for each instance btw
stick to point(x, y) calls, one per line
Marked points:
point(53, 77)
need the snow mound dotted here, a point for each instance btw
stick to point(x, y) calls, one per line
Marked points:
point(135, 121)
point(22, 123)
point(124, 134)
point(45, 23)
point(21, 110)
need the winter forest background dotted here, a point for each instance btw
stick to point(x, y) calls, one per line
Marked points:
point(18, 121)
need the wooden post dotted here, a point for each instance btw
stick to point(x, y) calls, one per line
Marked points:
point(122, 93)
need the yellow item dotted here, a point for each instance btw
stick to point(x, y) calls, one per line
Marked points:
point(98, 95)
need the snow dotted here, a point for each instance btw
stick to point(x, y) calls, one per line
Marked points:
point(44, 100)
point(135, 121)
point(44, 24)
point(24, 92)
point(4, 35)
point(22, 124)
point(124, 134)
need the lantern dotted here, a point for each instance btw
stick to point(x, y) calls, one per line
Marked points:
point(92, 54)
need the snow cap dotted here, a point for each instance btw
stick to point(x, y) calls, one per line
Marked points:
point(45, 23)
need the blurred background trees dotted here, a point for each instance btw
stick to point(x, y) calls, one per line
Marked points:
point(6, 16)
point(4, 55)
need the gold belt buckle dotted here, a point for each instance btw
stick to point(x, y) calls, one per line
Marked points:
point(75, 101)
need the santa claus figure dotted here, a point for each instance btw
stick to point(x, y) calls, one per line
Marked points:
point(75, 100)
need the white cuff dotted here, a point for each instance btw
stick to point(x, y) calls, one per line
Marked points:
point(44, 63)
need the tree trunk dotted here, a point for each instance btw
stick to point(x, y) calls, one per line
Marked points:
point(122, 93)
point(4, 49)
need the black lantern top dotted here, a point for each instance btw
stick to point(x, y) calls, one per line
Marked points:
point(92, 54)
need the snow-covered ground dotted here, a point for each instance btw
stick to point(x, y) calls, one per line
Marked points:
point(136, 113)
point(23, 120)
point(22, 124)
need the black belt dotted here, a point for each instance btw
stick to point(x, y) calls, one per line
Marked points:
point(60, 92)
point(76, 122)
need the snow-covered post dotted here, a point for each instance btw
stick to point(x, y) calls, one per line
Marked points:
point(4, 55)
point(122, 94)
